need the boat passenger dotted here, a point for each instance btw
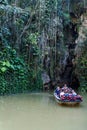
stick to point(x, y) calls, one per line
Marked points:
point(57, 91)
point(62, 93)
point(74, 93)
point(64, 87)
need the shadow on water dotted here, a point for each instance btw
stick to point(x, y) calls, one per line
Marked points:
point(71, 106)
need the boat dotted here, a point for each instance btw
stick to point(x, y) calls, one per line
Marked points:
point(66, 101)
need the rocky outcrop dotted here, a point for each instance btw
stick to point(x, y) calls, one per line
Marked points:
point(82, 35)
point(71, 36)
point(61, 52)
point(46, 81)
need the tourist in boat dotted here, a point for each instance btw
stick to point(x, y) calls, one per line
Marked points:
point(65, 86)
point(74, 93)
point(57, 91)
point(62, 93)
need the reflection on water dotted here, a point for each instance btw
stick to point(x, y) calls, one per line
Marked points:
point(40, 112)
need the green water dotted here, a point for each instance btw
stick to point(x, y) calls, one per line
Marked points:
point(40, 112)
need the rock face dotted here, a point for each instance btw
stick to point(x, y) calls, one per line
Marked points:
point(81, 52)
point(82, 35)
point(59, 60)
point(46, 80)
point(51, 48)
point(72, 37)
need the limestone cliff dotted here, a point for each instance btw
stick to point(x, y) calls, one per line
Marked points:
point(82, 35)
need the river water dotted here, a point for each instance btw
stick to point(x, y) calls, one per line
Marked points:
point(40, 112)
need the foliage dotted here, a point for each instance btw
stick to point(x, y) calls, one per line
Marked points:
point(15, 75)
point(81, 68)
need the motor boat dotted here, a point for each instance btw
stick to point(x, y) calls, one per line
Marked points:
point(66, 97)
